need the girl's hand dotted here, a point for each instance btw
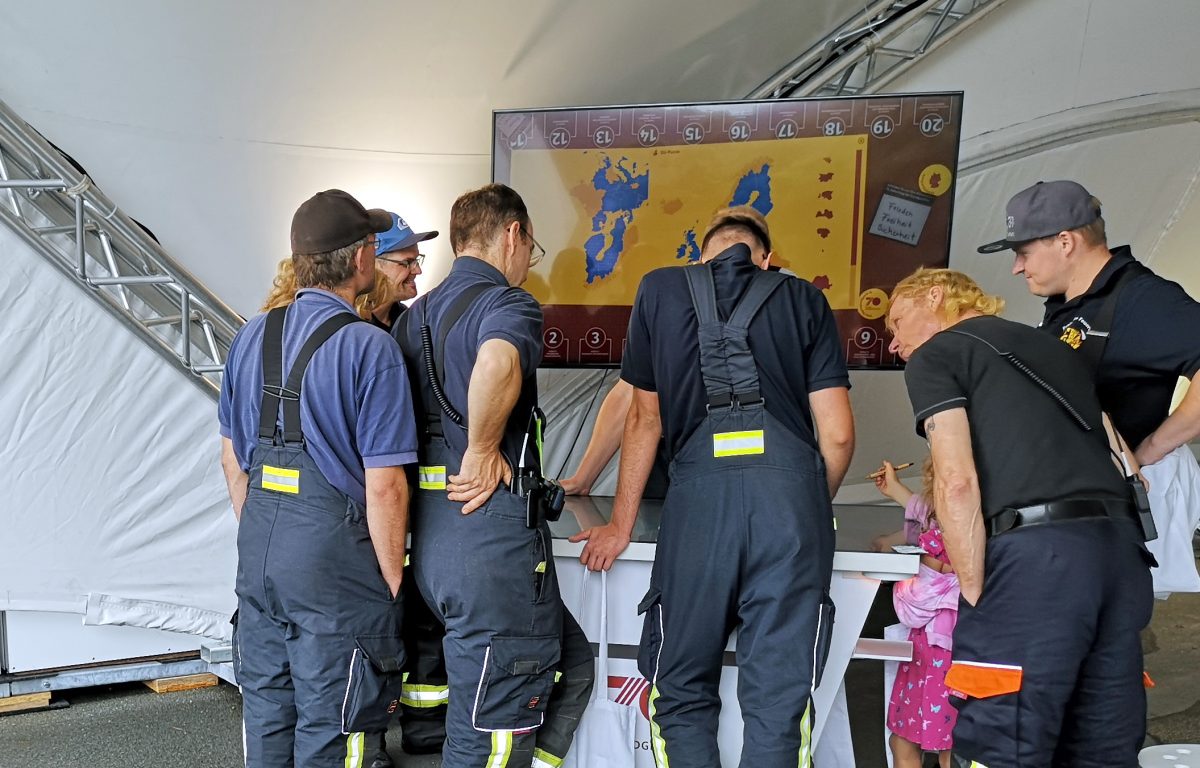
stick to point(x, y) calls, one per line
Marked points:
point(889, 483)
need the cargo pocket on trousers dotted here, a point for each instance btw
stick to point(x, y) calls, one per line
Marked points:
point(518, 673)
point(375, 683)
point(992, 691)
point(825, 618)
point(652, 634)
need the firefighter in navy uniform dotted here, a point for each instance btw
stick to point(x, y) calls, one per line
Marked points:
point(1047, 662)
point(423, 701)
point(735, 365)
point(317, 425)
point(519, 668)
point(1136, 332)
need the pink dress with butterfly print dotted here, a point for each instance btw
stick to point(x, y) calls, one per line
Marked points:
point(919, 710)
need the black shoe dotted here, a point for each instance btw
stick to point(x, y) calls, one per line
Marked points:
point(376, 748)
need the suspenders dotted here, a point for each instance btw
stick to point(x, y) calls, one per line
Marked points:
point(729, 371)
point(275, 390)
point(434, 356)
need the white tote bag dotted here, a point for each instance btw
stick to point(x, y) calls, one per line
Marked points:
point(605, 736)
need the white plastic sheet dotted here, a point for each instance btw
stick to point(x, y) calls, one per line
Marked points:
point(114, 505)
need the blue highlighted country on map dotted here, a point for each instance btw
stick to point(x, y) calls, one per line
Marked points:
point(623, 190)
point(753, 189)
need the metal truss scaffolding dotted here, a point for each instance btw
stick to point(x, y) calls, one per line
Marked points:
point(61, 214)
point(874, 46)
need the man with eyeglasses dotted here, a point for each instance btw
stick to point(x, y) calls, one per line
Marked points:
point(398, 259)
point(423, 700)
point(519, 668)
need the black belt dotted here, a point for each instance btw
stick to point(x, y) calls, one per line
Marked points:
point(1067, 509)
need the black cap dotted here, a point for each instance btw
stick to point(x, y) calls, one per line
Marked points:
point(334, 219)
point(1045, 209)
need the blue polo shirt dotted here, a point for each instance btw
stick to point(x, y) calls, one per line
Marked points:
point(500, 312)
point(793, 338)
point(355, 405)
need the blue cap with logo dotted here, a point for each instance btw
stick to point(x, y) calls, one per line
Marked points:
point(1043, 210)
point(400, 236)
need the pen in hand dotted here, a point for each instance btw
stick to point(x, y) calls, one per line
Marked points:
point(881, 472)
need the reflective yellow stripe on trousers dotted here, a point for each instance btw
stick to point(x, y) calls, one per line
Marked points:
point(431, 478)
point(354, 750)
point(501, 749)
point(424, 696)
point(806, 736)
point(657, 743)
point(748, 443)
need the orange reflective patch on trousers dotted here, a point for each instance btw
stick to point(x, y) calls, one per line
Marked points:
point(981, 680)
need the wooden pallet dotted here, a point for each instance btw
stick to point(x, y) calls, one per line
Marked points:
point(24, 702)
point(182, 683)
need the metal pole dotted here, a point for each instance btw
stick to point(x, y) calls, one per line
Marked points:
point(80, 253)
point(133, 280)
point(12, 196)
point(213, 352)
point(33, 184)
point(185, 326)
point(106, 246)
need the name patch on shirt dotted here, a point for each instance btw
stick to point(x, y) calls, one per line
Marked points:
point(280, 479)
point(746, 443)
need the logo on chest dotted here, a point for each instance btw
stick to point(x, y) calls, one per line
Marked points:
point(1077, 331)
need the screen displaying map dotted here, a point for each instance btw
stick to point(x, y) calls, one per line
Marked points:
point(856, 193)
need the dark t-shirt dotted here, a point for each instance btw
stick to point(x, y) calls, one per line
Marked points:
point(501, 312)
point(793, 338)
point(1027, 449)
point(1154, 339)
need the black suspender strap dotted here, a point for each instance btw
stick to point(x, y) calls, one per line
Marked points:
point(289, 393)
point(451, 318)
point(729, 370)
point(434, 356)
point(272, 366)
point(1093, 348)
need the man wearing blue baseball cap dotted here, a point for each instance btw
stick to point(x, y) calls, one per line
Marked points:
point(398, 258)
point(1136, 332)
point(423, 700)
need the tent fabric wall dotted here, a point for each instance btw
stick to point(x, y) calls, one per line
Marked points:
point(210, 122)
point(114, 502)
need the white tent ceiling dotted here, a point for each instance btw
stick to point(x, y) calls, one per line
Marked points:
point(211, 121)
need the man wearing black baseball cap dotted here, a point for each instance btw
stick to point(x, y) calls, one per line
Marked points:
point(321, 498)
point(1136, 331)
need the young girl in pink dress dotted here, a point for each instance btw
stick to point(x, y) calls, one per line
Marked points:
point(919, 715)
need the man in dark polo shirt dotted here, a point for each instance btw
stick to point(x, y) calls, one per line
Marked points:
point(519, 668)
point(316, 426)
point(1138, 334)
point(735, 365)
point(1047, 661)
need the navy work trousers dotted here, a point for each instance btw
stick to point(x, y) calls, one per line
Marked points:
point(520, 669)
point(746, 542)
point(1050, 657)
point(317, 647)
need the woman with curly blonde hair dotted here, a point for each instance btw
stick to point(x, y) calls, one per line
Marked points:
point(283, 292)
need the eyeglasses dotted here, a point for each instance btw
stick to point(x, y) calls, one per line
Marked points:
point(406, 263)
point(538, 252)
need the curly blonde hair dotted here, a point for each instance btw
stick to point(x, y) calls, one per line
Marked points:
point(960, 294)
point(283, 291)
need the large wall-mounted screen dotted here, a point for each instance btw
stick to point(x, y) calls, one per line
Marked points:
point(857, 192)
